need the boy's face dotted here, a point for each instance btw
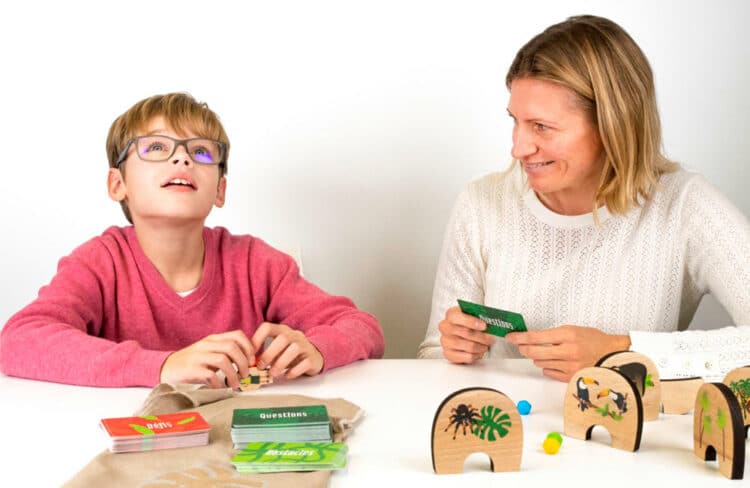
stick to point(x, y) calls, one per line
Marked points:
point(174, 191)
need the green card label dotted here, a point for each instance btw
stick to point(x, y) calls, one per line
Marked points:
point(278, 416)
point(260, 457)
point(499, 322)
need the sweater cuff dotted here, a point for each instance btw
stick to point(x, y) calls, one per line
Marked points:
point(679, 355)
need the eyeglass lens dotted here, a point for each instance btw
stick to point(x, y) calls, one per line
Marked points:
point(160, 148)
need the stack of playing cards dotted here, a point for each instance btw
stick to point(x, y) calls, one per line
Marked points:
point(308, 423)
point(270, 457)
point(130, 434)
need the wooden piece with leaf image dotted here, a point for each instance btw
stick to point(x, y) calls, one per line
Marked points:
point(604, 397)
point(642, 371)
point(738, 380)
point(476, 420)
point(718, 431)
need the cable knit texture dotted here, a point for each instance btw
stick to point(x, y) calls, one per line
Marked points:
point(644, 271)
point(108, 318)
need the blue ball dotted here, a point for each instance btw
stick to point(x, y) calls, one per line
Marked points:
point(524, 407)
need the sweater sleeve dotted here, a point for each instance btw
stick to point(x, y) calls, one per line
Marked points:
point(333, 324)
point(460, 272)
point(55, 337)
point(717, 252)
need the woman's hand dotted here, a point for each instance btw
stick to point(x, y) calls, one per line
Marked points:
point(289, 351)
point(561, 351)
point(200, 361)
point(462, 337)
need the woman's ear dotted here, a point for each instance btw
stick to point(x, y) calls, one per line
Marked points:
point(116, 185)
point(221, 192)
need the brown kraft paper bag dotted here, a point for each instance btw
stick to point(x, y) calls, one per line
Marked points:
point(207, 466)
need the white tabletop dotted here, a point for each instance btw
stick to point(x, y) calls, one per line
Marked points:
point(390, 445)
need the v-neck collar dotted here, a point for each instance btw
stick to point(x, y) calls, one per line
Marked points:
point(157, 282)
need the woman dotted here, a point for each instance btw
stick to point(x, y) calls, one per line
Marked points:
point(596, 238)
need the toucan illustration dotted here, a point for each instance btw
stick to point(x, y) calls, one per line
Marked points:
point(583, 391)
point(616, 397)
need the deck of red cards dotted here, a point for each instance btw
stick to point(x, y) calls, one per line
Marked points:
point(150, 432)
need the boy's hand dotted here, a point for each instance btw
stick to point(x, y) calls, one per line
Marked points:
point(462, 337)
point(561, 351)
point(199, 362)
point(289, 350)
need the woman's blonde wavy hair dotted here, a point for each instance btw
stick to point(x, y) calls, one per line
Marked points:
point(612, 79)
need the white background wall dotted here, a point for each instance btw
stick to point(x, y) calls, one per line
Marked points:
point(353, 124)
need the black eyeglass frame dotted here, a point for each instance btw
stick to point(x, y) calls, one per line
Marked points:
point(178, 142)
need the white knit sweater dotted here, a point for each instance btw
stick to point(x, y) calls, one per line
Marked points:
point(643, 273)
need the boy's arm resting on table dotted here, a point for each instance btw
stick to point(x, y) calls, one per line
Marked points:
point(338, 330)
point(55, 337)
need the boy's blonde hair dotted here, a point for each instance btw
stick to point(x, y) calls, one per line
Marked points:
point(181, 111)
point(612, 79)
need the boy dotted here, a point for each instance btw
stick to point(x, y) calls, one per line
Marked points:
point(167, 299)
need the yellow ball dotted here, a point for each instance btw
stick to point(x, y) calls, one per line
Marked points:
point(551, 445)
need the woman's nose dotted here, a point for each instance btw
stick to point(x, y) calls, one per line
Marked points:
point(523, 144)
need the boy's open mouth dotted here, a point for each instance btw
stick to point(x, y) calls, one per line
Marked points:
point(178, 182)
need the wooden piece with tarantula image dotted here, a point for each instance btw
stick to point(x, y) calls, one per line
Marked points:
point(476, 420)
point(463, 415)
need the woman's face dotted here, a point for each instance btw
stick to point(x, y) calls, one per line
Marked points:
point(557, 144)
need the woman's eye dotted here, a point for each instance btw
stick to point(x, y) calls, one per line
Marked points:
point(540, 127)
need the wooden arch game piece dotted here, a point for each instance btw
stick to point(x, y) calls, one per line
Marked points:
point(643, 372)
point(476, 420)
point(718, 432)
point(678, 395)
point(738, 380)
point(606, 397)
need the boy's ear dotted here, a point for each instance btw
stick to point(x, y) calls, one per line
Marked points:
point(221, 192)
point(116, 185)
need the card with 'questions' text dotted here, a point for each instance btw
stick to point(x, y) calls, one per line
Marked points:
point(499, 322)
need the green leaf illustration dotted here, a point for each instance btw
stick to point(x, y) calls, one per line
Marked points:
point(741, 389)
point(604, 410)
point(493, 421)
point(141, 429)
point(186, 421)
point(704, 400)
point(649, 381)
point(707, 424)
point(149, 417)
point(721, 418)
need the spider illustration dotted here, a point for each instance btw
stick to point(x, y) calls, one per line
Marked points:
point(463, 415)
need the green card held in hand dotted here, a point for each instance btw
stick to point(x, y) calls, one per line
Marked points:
point(499, 322)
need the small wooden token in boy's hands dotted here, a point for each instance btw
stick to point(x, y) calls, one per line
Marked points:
point(255, 379)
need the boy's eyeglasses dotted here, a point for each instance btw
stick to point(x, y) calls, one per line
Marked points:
point(160, 148)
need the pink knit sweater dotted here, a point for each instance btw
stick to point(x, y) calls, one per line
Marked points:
point(108, 318)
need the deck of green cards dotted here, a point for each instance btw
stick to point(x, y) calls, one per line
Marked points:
point(272, 457)
point(499, 322)
point(309, 423)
